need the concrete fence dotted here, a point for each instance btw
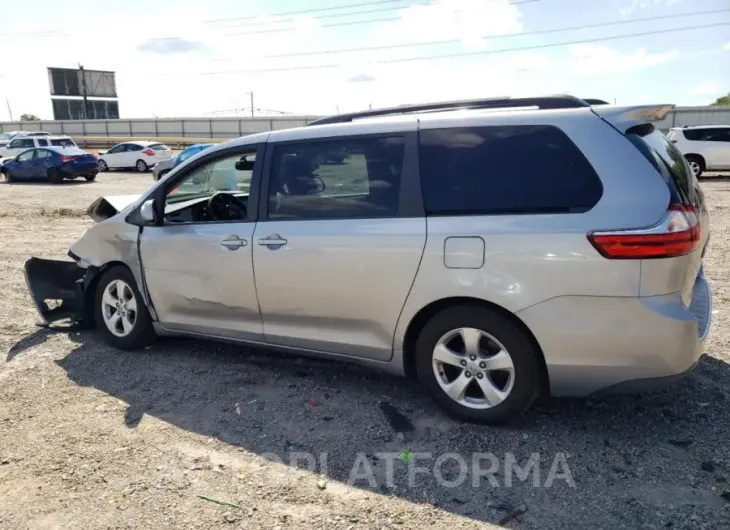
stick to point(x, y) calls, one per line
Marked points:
point(191, 130)
point(223, 128)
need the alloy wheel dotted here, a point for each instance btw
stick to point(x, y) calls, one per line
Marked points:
point(473, 368)
point(119, 308)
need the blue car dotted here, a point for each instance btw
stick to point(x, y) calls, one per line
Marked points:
point(165, 166)
point(51, 163)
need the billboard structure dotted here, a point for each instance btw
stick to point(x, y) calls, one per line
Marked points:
point(71, 90)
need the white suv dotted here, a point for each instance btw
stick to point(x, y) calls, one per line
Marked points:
point(706, 147)
point(20, 143)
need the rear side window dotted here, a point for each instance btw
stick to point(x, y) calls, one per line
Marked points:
point(668, 160)
point(134, 147)
point(43, 142)
point(63, 142)
point(337, 179)
point(524, 169)
point(693, 135)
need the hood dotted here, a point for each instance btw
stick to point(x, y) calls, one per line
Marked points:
point(105, 207)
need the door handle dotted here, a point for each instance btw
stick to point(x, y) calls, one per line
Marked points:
point(234, 243)
point(273, 241)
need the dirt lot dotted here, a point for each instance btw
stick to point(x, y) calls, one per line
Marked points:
point(93, 438)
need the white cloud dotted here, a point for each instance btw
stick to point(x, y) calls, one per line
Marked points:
point(727, 46)
point(462, 20)
point(640, 5)
point(595, 59)
point(704, 89)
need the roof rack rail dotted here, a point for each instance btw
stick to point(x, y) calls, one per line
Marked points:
point(544, 102)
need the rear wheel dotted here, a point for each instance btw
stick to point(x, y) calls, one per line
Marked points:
point(696, 164)
point(478, 365)
point(120, 312)
point(103, 166)
point(55, 176)
point(90, 178)
point(141, 166)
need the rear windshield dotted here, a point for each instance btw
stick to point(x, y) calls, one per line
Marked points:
point(668, 160)
point(63, 142)
point(159, 147)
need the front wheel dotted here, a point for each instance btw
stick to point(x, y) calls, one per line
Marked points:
point(103, 166)
point(8, 176)
point(141, 166)
point(478, 365)
point(120, 312)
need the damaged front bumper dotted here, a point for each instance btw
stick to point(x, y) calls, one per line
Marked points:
point(58, 290)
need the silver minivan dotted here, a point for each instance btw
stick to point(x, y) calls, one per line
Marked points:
point(551, 246)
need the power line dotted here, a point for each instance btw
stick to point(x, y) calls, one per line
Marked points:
point(368, 11)
point(351, 23)
point(489, 37)
point(304, 11)
point(463, 54)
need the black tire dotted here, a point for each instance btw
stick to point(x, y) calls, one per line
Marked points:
point(142, 333)
point(54, 176)
point(696, 161)
point(141, 166)
point(162, 174)
point(90, 178)
point(525, 359)
point(8, 175)
point(103, 166)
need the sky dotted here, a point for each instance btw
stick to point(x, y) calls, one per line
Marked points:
point(180, 58)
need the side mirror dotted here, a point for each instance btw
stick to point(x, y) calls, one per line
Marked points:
point(147, 211)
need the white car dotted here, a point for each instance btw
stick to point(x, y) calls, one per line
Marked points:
point(139, 155)
point(20, 143)
point(706, 147)
point(7, 136)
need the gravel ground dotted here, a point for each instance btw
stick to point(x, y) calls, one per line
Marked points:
point(95, 438)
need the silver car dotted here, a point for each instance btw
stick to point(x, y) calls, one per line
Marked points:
point(552, 247)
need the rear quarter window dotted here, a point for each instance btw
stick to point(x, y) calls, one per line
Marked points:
point(693, 135)
point(525, 169)
point(669, 161)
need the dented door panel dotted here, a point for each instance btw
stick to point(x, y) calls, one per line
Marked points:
point(199, 281)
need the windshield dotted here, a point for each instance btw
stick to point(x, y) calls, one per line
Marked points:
point(231, 174)
point(6, 136)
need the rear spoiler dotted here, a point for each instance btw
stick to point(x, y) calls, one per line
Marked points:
point(626, 117)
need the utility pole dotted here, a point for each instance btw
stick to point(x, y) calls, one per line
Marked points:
point(10, 111)
point(251, 93)
point(83, 88)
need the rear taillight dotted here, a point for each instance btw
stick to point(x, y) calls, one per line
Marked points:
point(673, 141)
point(676, 235)
point(148, 152)
point(67, 158)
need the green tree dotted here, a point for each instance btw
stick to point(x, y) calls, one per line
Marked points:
point(29, 117)
point(722, 101)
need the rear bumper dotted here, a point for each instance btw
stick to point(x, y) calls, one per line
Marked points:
point(615, 344)
point(74, 170)
point(57, 289)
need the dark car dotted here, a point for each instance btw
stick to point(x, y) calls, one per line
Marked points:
point(52, 163)
point(163, 168)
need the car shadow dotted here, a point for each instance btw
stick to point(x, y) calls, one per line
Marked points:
point(628, 461)
point(43, 182)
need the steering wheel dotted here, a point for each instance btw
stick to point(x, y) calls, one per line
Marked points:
point(226, 207)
